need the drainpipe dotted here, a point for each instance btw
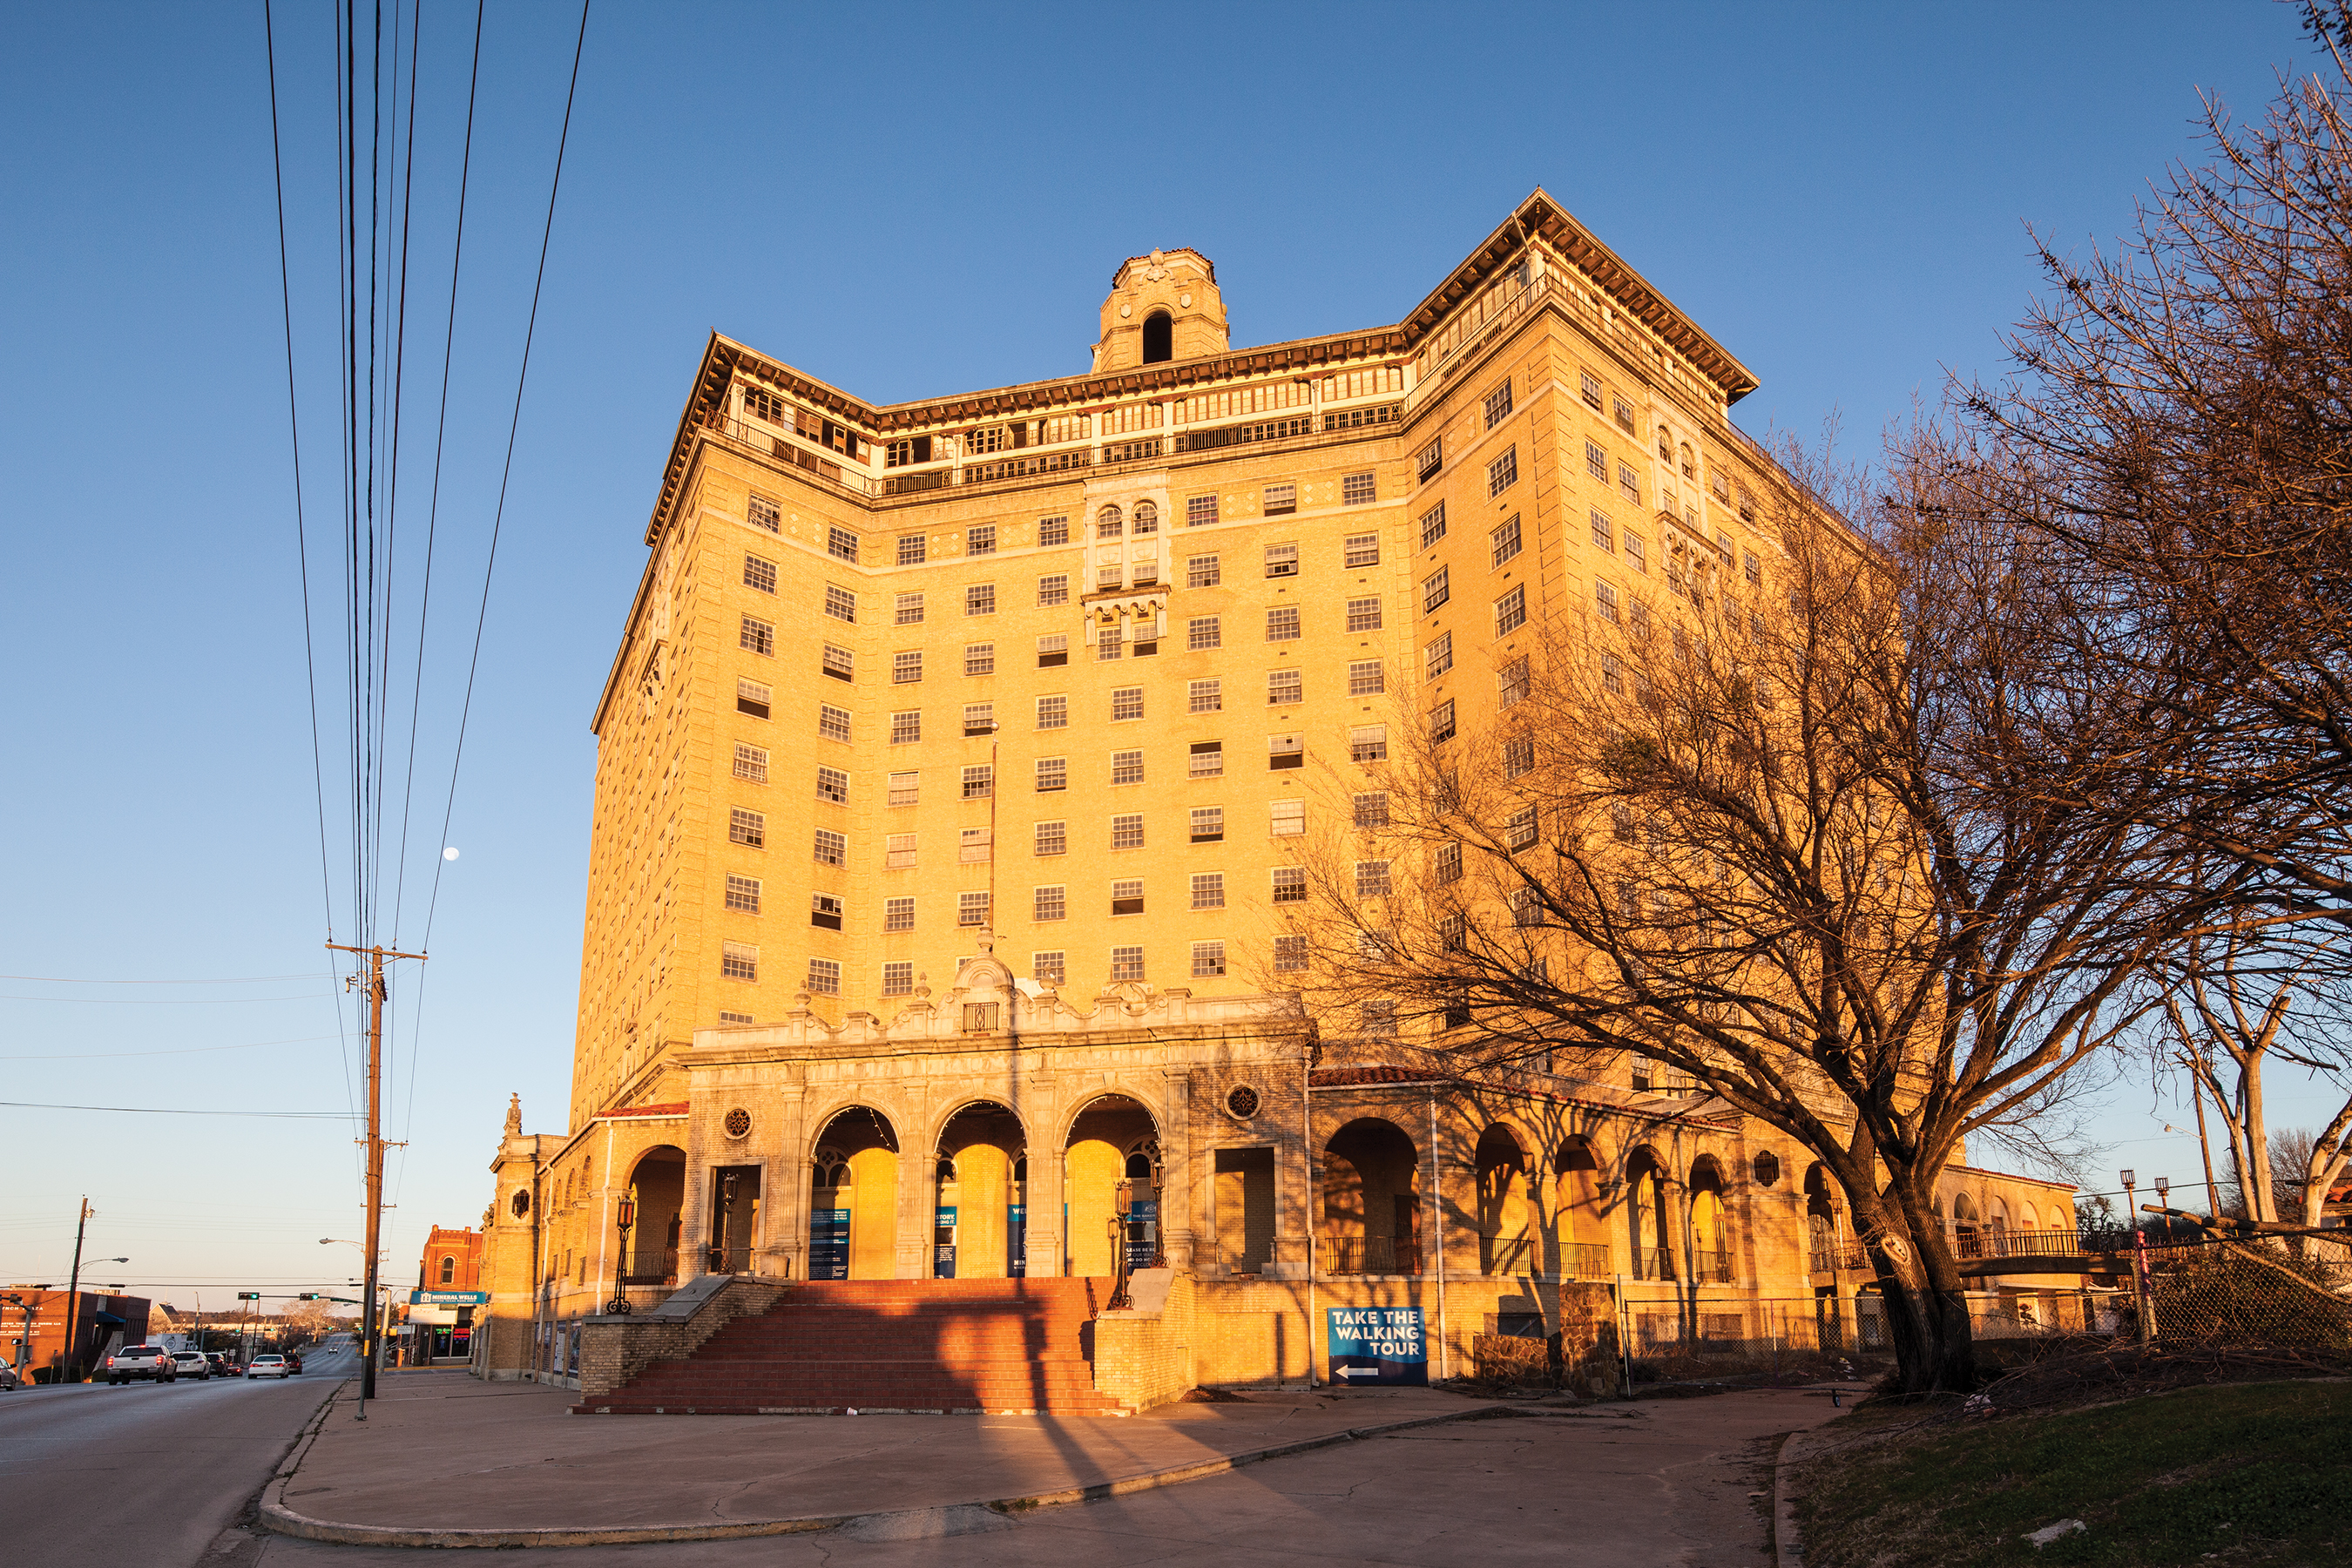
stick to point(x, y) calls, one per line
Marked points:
point(604, 1215)
point(1438, 1207)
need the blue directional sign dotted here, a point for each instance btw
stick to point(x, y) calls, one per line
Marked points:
point(829, 1243)
point(1378, 1344)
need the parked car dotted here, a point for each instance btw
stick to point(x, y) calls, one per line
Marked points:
point(192, 1364)
point(221, 1364)
point(8, 1378)
point(133, 1363)
point(272, 1365)
point(294, 1360)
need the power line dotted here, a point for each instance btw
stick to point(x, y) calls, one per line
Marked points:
point(162, 1001)
point(179, 1110)
point(178, 1051)
point(232, 980)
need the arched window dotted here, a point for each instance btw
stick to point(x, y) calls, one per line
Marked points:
point(1690, 468)
point(1666, 445)
point(449, 1270)
point(1139, 1166)
point(1158, 338)
point(1147, 517)
point(1110, 522)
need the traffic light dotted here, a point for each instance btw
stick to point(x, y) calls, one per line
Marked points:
point(248, 1295)
point(309, 1296)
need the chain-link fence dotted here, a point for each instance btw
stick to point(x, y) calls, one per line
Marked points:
point(2294, 1293)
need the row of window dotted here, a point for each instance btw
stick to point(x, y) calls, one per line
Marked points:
point(1284, 688)
point(740, 961)
point(1205, 824)
point(1206, 890)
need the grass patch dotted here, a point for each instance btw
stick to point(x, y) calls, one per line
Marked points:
point(2238, 1475)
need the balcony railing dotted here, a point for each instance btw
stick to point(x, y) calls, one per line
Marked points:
point(1370, 1255)
point(1829, 1260)
point(1584, 1260)
point(1711, 1267)
point(1972, 1242)
point(653, 1266)
point(1653, 1263)
point(792, 452)
point(1506, 1254)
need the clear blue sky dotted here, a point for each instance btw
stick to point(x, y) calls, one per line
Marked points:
point(901, 201)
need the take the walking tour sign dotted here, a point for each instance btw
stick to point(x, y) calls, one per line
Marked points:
point(1378, 1344)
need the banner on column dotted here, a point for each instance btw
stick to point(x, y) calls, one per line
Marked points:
point(1378, 1344)
point(829, 1243)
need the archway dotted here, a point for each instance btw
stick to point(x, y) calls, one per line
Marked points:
point(1820, 1220)
point(1159, 337)
point(1503, 1244)
point(1112, 1141)
point(1576, 1199)
point(1645, 1216)
point(980, 1179)
point(658, 1185)
point(1968, 1233)
point(1710, 1236)
point(854, 1198)
point(1371, 1201)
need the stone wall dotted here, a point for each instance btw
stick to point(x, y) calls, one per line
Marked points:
point(615, 1350)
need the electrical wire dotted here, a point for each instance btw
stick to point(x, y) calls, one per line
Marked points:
point(232, 980)
point(179, 1110)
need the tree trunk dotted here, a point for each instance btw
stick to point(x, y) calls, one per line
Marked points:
point(1921, 1294)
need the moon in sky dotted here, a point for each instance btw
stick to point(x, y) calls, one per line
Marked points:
point(450, 853)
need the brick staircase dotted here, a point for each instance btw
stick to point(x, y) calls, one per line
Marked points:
point(881, 1345)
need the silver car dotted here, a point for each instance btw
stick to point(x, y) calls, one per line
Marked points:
point(192, 1364)
point(272, 1365)
point(133, 1363)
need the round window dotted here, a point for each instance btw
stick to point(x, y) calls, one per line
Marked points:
point(1242, 1102)
point(738, 1122)
point(1767, 1168)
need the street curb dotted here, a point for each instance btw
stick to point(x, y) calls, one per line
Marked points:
point(277, 1516)
point(1788, 1540)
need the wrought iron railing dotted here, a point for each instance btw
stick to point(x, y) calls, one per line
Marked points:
point(1829, 1260)
point(1653, 1263)
point(1584, 1260)
point(1370, 1255)
point(1711, 1267)
point(650, 1267)
point(1506, 1254)
point(1972, 1242)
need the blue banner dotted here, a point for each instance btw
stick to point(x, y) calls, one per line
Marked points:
point(1378, 1344)
point(828, 1244)
point(1142, 1234)
point(1016, 1236)
point(943, 1243)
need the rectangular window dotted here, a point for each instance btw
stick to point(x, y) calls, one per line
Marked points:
point(1604, 536)
point(830, 848)
point(1372, 809)
point(1358, 490)
point(906, 667)
point(756, 636)
point(1289, 954)
point(759, 575)
point(1125, 702)
point(1281, 623)
point(1108, 577)
point(1052, 838)
point(833, 785)
point(1503, 472)
point(979, 718)
point(1367, 677)
point(1438, 657)
point(1364, 614)
point(1127, 963)
point(1612, 675)
point(1051, 968)
point(1203, 632)
point(1283, 686)
point(1053, 651)
point(1590, 385)
point(1125, 767)
point(1596, 462)
point(980, 658)
point(1637, 554)
point(743, 894)
point(825, 912)
point(739, 961)
point(1498, 405)
point(1511, 611)
point(1284, 752)
point(1448, 862)
point(1200, 511)
point(1290, 884)
point(1360, 550)
point(908, 610)
point(1053, 589)
point(971, 908)
point(1208, 824)
point(897, 914)
point(1287, 819)
point(747, 827)
point(979, 781)
point(1209, 890)
point(1127, 832)
point(1126, 898)
point(1371, 878)
point(1202, 572)
point(764, 513)
point(1511, 682)
point(1428, 460)
point(980, 599)
point(1629, 484)
point(1205, 696)
point(1624, 411)
point(913, 550)
point(1206, 761)
point(1441, 721)
point(840, 603)
point(1053, 530)
point(1367, 743)
point(832, 722)
point(1049, 903)
point(975, 846)
point(899, 852)
point(1435, 591)
point(898, 980)
point(1519, 831)
point(751, 762)
point(1282, 560)
point(1432, 525)
point(1053, 773)
point(840, 543)
point(1281, 499)
point(1110, 642)
point(1208, 957)
point(1637, 617)
point(1053, 712)
point(1380, 1017)
point(1750, 567)
point(1504, 541)
point(824, 977)
point(1604, 600)
point(980, 539)
point(906, 728)
point(1519, 756)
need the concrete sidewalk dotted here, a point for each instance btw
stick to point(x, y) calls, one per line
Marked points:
point(444, 1460)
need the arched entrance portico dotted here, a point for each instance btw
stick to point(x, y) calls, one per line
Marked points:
point(1113, 1140)
point(1504, 1245)
point(657, 1186)
point(1371, 1200)
point(854, 1198)
point(1584, 1235)
point(980, 1179)
point(1646, 1211)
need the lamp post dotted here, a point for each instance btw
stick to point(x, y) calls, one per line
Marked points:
point(2139, 1259)
point(619, 1306)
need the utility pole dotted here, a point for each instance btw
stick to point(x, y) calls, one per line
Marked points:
point(2204, 1150)
point(376, 1147)
point(73, 1294)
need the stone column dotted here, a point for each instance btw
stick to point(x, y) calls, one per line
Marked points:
point(918, 1189)
point(784, 1188)
point(1180, 1202)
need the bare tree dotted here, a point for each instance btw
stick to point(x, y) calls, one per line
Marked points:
point(1844, 848)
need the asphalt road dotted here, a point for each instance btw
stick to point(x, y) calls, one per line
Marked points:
point(146, 1474)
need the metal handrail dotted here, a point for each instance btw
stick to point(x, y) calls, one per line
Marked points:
point(1370, 1255)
